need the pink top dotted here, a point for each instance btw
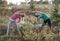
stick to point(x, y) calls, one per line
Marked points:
point(15, 15)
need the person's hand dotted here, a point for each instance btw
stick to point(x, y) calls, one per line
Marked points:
point(36, 15)
point(18, 21)
point(22, 15)
point(38, 20)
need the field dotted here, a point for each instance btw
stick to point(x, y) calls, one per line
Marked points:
point(30, 31)
point(29, 28)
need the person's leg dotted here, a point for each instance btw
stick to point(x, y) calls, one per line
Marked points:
point(9, 24)
point(43, 24)
point(49, 23)
point(16, 28)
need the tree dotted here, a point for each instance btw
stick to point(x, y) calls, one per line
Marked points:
point(56, 15)
point(26, 1)
point(55, 11)
point(3, 2)
point(32, 7)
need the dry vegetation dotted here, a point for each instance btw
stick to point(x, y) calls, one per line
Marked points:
point(29, 29)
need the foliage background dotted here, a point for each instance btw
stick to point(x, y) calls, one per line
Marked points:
point(29, 28)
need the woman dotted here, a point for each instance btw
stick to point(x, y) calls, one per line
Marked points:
point(13, 19)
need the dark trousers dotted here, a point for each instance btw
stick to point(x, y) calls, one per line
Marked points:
point(47, 21)
point(44, 23)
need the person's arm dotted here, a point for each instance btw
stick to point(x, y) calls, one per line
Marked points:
point(18, 20)
point(19, 17)
point(33, 11)
point(38, 19)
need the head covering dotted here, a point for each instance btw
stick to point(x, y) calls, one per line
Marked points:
point(37, 12)
point(22, 14)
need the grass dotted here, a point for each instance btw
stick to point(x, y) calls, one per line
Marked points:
point(30, 33)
